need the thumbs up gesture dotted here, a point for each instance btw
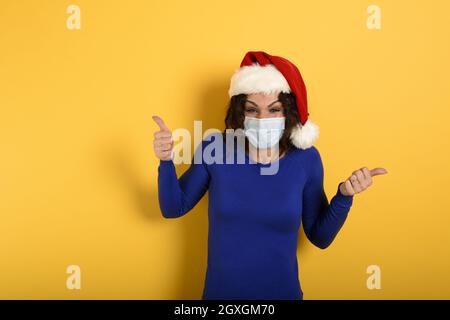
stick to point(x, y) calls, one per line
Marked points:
point(359, 181)
point(163, 141)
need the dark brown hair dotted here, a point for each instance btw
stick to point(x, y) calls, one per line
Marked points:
point(236, 114)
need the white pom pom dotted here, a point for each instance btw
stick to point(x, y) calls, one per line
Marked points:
point(304, 136)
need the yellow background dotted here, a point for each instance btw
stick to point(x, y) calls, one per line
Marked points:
point(77, 168)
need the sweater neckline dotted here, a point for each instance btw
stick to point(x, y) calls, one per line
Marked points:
point(279, 161)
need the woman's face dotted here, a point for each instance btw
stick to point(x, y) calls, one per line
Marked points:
point(259, 105)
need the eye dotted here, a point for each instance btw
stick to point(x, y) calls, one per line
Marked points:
point(250, 110)
point(274, 110)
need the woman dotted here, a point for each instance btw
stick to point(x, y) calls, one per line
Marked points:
point(254, 219)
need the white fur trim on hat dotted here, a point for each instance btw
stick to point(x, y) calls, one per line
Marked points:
point(304, 136)
point(258, 79)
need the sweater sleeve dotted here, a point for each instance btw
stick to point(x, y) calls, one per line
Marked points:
point(179, 196)
point(321, 219)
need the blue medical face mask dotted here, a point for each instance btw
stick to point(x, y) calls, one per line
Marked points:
point(264, 133)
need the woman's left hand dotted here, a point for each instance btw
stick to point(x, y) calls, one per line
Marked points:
point(359, 180)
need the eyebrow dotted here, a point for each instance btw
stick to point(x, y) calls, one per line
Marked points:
point(267, 106)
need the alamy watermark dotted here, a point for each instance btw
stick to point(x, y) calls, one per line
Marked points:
point(374, 280)
point(73, 21)
point(73, 281)
point(221, 148)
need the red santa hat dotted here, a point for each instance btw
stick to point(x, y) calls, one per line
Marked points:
point(261, 72)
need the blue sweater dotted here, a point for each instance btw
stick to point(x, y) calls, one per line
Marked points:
point(254, 219)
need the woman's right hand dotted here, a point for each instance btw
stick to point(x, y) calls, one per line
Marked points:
point(163, 141)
